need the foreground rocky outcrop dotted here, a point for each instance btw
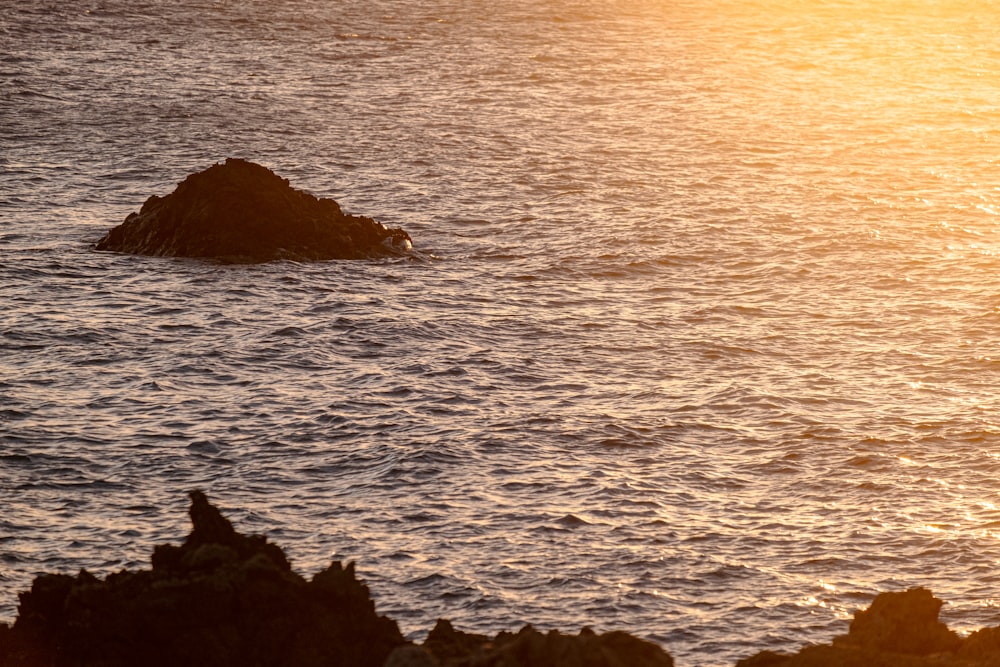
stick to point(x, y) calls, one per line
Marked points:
point(447, 647)
point(242, 212)
point(223, 599)
point(220, 599)
point(899, 629)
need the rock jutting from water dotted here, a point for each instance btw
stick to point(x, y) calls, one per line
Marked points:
point(223, 599)
point(240, 211)
point(899, 629)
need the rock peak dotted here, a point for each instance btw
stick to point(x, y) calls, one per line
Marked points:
point(208, 524)
point(241, 211)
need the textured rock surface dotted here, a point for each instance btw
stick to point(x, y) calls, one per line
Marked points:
point(242, 212)
point(226, 599)
point(905, 622)
point(221, 599)
point(448, 647)
point(898, 629)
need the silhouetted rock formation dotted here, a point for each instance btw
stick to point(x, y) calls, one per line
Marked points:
point(447, 647)
point(898, 629)
point(904, 622)
point(222, 599)
point(241, 211)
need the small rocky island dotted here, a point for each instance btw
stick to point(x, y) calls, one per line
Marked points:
point(239, 211)
point(223, 599)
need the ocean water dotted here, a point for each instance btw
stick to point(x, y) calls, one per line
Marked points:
point(700, 338)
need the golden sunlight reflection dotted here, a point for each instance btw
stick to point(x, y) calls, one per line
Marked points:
point(897, 78)
point(700, 337)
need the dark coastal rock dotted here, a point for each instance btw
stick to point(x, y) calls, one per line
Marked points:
point(982, 646)
point(243, 212)
point(221, 599)
point(899, 629)
point(227, 600)
point(905, 622)
point(530, 648)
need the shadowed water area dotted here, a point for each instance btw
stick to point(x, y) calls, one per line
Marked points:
point(699, 339)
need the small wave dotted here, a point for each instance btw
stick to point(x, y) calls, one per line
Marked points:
point(572, 521)
point(289, 332)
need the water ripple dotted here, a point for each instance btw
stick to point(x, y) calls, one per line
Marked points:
point(693, 345)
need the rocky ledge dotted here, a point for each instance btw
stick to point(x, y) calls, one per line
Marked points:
point(899, 629)
point(223, 599)
point(239, 211)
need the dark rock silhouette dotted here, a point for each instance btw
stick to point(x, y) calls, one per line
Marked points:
point(221, 599)
point(224, 599)
point(447, 644)
point(898, 630)
point(242, 212)
point(447, 647)
point(904, 622)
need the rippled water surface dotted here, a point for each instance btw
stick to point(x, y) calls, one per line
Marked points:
point(699, 339)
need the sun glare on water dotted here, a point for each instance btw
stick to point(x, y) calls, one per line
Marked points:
point(901, 98)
